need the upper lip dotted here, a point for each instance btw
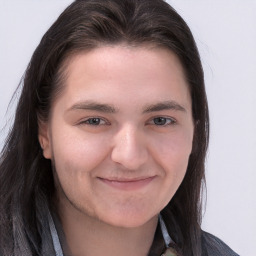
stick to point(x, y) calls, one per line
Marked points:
point(126, 179)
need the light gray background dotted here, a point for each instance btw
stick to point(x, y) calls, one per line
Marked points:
point(225, 32)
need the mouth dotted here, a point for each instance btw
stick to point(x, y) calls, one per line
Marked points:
point(128, 184)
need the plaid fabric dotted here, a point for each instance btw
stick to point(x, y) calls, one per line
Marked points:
point(169, 252)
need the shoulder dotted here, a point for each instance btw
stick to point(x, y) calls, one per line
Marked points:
point(213, 246)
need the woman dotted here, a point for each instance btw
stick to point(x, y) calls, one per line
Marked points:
point(106, 154)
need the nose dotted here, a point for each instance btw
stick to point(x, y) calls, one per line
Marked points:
point(130, 148)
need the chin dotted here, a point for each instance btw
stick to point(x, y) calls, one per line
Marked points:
point(128, 219)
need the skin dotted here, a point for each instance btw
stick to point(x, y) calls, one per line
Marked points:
point(118, 165)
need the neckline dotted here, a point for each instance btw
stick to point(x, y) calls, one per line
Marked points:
point(56, 241)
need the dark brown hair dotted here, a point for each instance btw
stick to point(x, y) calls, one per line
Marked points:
point(26, 180)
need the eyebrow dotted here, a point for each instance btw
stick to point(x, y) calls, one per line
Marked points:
point(166, 105)
point(91, 105)
point(108, 108)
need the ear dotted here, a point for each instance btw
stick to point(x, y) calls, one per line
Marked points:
point(45, 139)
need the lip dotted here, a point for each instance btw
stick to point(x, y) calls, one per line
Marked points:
point(128, 184)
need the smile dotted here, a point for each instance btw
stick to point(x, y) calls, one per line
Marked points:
point(128, 184)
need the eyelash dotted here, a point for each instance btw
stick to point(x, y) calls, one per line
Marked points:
point(168, 121)
point(86, 122)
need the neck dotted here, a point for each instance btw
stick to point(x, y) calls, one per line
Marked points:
point(88, 236)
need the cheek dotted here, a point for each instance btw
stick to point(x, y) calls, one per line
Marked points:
point(76, 158)
point(172, 152)
point(173, 147)
point(76, 153)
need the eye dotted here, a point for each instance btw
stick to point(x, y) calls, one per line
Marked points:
point(94, 121)
point(163, 121)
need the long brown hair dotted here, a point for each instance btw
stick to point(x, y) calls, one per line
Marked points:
point(26, 180)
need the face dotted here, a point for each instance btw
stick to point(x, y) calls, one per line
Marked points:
point(120, 134)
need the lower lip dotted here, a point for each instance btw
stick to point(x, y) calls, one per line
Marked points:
point(128, 185)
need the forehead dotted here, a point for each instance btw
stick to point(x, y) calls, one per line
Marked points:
point(124, 57)
point(140, 73)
